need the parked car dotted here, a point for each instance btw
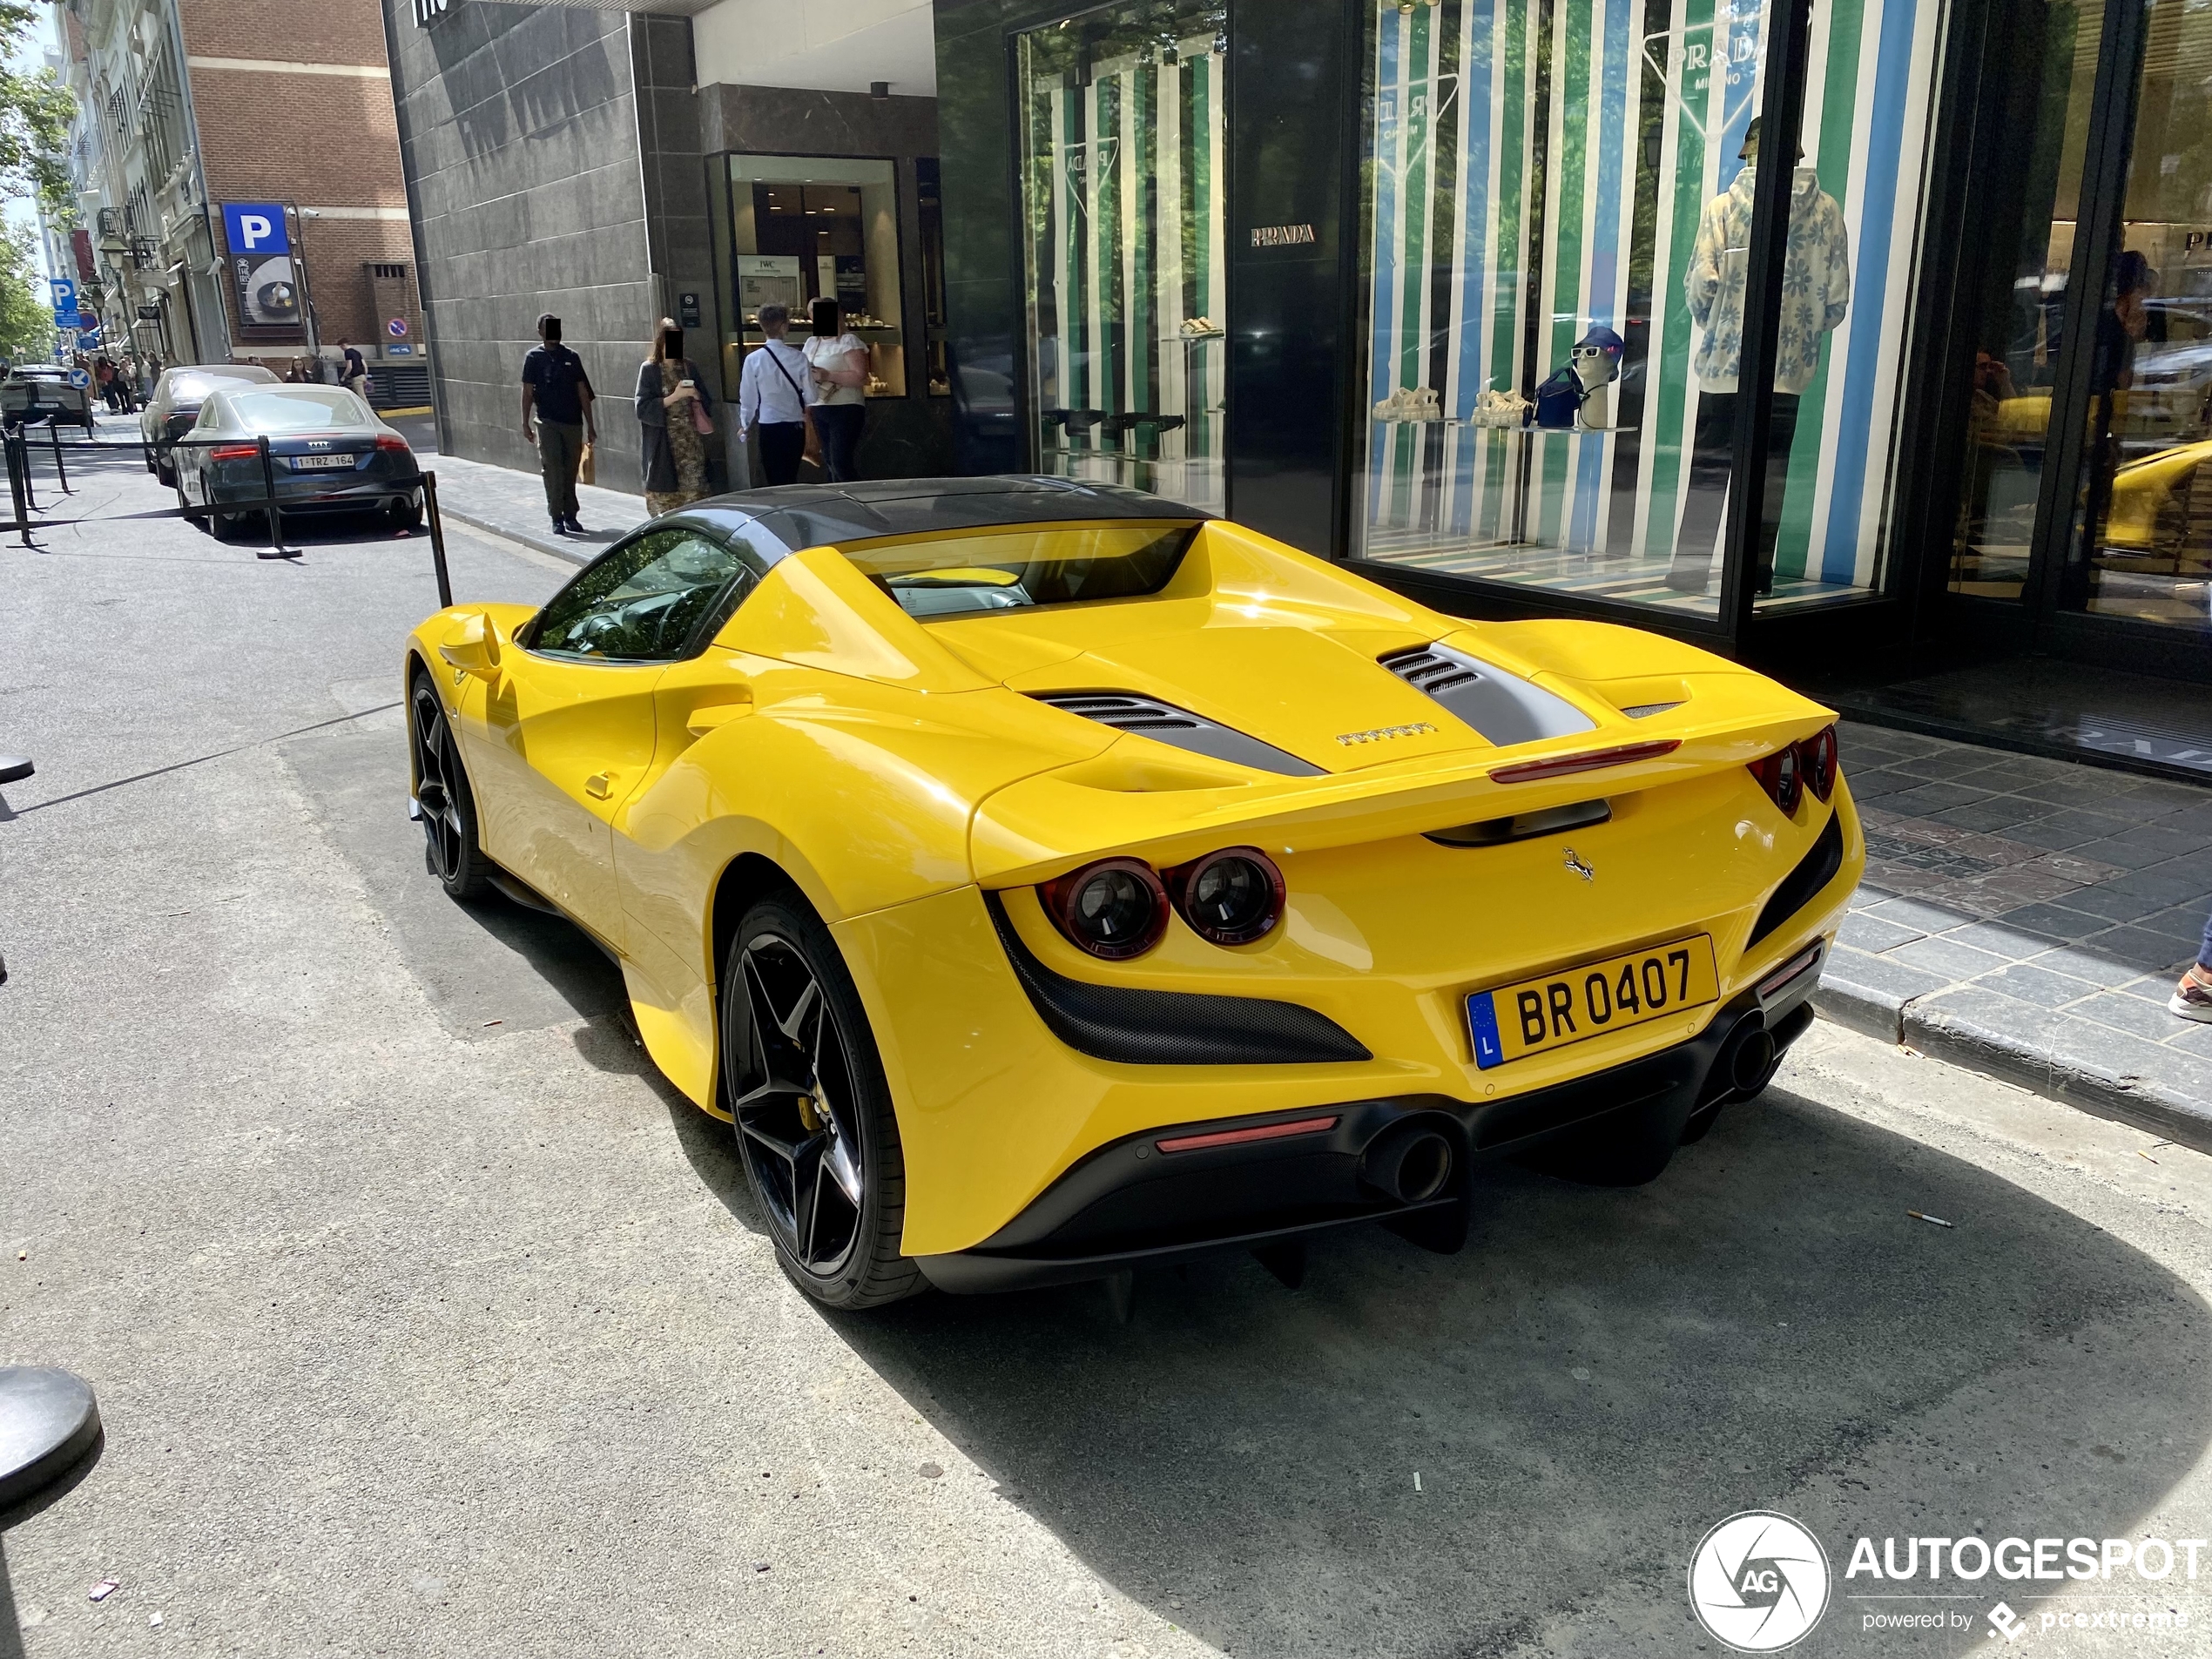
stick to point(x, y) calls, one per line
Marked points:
point(1053, 880)
point(328, 453)
point(175, 402)
point(37, 392)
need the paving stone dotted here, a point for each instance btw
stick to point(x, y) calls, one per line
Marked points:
point(1873, 934)
point(2151, 1073)
point(2193, 1037)
point(2148, 844)
point(2176, 882)
point(2075, 789)
point(1994, 936)
point(2057, 923)
point(1869, 993)
point(1913, 913)
point(2071, 828)
point(1930, 799)
point(1953, 961)
point(1875, 785)
point(2026, 983)
point(2104, 899)
point(2081, 962)
point(2174, 794)
point(2143, 947)
point(2133, 1014)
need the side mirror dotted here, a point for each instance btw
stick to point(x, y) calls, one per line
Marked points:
point(472, 647)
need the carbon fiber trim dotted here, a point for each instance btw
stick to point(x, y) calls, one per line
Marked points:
point(1140, 1028)
point(1815, 871)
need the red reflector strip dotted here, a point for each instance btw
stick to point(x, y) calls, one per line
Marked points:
point(1522, 772)
point(1790, 970)
point(1236, 1136)
point(234, 451)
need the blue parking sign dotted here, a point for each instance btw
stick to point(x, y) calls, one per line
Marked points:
point(255, 229)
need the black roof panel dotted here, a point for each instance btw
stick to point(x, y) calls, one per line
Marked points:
point(800, 515)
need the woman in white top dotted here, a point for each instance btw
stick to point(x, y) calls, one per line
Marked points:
point(837, 362)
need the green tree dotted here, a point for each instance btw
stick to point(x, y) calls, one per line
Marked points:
point(36, 110)
point(26, 317)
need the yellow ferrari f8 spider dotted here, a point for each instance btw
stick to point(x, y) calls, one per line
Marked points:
point(1049, 879)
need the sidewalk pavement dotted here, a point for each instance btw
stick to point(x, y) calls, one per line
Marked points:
point(2023, 917)
point(2027, 918)
point(512, 504)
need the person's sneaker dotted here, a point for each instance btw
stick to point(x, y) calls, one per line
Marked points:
point(570, 525)
point(2192, 998)
point(560, 527)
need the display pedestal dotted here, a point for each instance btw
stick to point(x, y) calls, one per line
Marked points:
point(14, 769)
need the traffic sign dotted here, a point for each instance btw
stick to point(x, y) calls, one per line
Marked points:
point(65, 292)
point(80, 378)
point(396, 328)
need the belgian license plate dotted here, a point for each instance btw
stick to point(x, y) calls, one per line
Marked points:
point(1577, 1003)
point(303, 463)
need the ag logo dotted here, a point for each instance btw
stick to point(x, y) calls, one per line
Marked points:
point(1758, 1581)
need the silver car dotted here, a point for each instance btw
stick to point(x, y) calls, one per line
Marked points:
point(174, 406)
point(328, 453)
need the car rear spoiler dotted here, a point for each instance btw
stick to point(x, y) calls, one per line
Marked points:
point(1140, 799)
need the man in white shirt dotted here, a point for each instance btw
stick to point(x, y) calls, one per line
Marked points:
point(771, 392)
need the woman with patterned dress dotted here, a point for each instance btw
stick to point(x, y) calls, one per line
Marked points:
point(669, 387)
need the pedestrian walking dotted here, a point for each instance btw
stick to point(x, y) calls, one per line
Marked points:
point(352, 373)
point(295, 375)
point(675, 416)
point(2192, 998)
point(838, 362)
point(557, 391)
point(772, 394)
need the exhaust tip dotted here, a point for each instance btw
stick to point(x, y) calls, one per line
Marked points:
point(1411, 1166)
point(1750, 1057)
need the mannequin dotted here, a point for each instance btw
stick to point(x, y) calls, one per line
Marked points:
point(1815, 289)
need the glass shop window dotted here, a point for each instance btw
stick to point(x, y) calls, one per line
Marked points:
point(1123, 236)
point(1557, 200)
point(803, 227)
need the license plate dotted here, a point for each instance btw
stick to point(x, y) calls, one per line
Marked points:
point(1577, 1003)
point(303, 463)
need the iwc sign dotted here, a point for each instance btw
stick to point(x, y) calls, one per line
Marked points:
point(429, 11)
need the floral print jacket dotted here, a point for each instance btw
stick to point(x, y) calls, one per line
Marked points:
point(1816, 282)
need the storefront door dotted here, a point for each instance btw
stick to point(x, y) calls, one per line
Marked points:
point(2085, 516)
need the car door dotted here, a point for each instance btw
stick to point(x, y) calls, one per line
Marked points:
point(569, 729)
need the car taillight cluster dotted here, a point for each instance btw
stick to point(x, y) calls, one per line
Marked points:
point(235, 452)
point(391, 445)
point(1786, 774)
point(1118, 908)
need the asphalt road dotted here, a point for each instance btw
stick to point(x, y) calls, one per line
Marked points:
point(426, 1318)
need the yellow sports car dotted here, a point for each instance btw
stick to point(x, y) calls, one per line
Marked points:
point(1050, 879)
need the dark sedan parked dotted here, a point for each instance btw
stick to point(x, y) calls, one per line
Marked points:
point(169, 414)
point(327, 451)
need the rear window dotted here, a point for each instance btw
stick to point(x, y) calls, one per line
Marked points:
point(297, 410)
point(1037, 564)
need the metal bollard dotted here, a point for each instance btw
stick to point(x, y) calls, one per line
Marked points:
point(23, 455)
point(61, 473)
point(437, 539)
point(268, 487)
point(16, 476)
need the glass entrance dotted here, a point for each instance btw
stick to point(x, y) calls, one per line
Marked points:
point(1123, 122)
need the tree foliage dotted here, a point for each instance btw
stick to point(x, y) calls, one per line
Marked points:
point(26, 314)
point(36, 110)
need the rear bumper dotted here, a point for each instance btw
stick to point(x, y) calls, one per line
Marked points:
point(240, 484)
point(1145, 1201)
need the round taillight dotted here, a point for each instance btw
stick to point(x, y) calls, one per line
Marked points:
point(1818, 753)
point(1782, 775)
point(1232, 897)
point(1115, 909)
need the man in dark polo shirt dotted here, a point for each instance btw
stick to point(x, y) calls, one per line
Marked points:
point(555, 388)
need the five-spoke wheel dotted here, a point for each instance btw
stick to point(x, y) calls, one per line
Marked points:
point(814, 1118)
point(441, 794)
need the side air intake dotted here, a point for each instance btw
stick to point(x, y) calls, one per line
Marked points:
point(1148, 716)
point(1503, 707)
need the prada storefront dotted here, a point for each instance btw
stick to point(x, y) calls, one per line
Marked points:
point(1867, 341)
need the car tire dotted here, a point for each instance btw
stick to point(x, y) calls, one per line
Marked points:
point(450, 849)
point(812, 1110)
point(186, 510)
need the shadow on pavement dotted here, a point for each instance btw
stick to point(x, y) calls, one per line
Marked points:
point(1601, 1376)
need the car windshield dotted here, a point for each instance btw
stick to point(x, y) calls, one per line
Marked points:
point(1013, 569)
point(296, 409)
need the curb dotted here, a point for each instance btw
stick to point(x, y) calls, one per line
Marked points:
point(542, 541)
point(1952, 1034)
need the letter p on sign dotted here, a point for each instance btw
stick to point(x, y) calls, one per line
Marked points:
point(253, 230)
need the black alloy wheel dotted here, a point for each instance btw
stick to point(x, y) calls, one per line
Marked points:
point(450, 850)
point(814, 1124)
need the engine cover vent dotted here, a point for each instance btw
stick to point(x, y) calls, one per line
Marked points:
point(1503, 707)
point(1164, 723)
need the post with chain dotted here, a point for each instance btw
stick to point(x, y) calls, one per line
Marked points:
point(437, 539)
point(269, 498)
point(61, 473)
point(17, 467)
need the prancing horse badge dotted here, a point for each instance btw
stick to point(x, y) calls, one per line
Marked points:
point(1579, 867)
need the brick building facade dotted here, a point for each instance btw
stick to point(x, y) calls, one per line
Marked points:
point(195, 104)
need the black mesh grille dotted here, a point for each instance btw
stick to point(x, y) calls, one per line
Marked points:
point(1172, 1028)
point(1815, 871)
